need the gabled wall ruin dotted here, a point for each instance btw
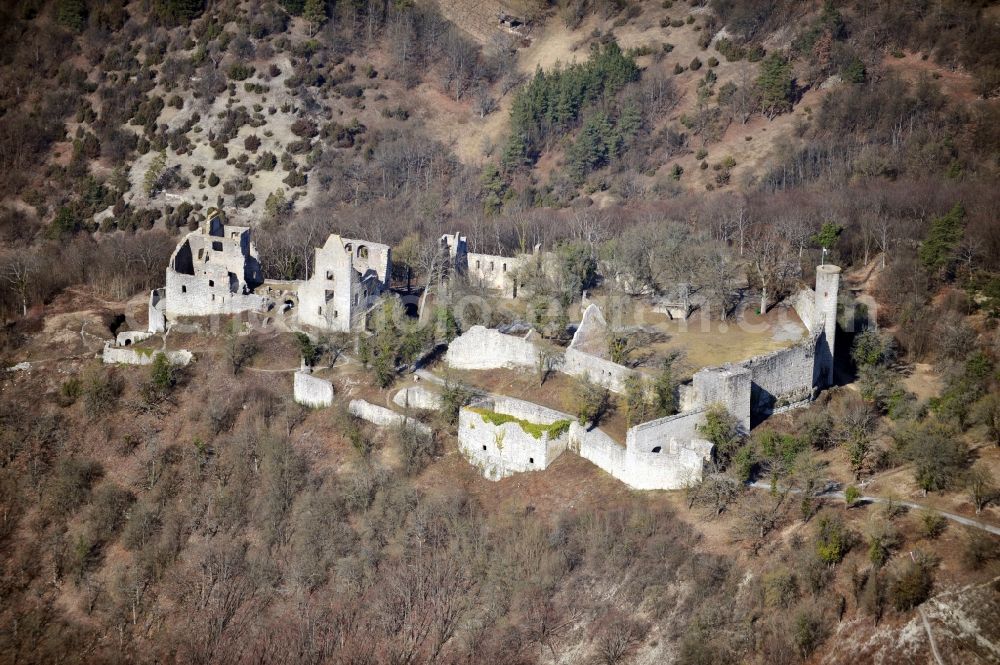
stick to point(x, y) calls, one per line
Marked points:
point(348, 277)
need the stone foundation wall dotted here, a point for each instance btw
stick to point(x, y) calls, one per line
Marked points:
point(383, 417)
point(418, 397)
point(312, 391)
point(117, 355)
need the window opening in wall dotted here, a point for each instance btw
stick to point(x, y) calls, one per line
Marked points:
point(319, 310)
point(656, 449)
point(213, 296)
point(505, 267)
point(329, 274)
point(531, 460)
point(217, 245)
point(491, 266)
point(484, 447)
point(335, 314)
point(211, 282)
point(234, 234)
point(201, 253)
point(184, 289)
point(477, 264)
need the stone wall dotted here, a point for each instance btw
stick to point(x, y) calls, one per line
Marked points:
point(130, 337)
point(418, 397)
point(383, 417)
point(600, 449)
point(581, 357)
point(155, 312)
point(602, 372)
point(499, 451)
point(486, 348)
point(494, 272)
point(804, 304)
point(728, 385)
point(131, 356)
point(667, 453)
point(783, 377)
point(311, 390)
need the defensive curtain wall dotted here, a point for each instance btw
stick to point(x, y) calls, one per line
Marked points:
point(502, 436)
point(665, 453)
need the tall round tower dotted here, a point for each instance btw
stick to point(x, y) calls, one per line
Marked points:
point(827, 285)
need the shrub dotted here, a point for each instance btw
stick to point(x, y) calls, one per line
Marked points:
point(592, 401)
point(70, 391)
point(109, 512)
point(251, 143)
point(912, 584)
point(980, 548)
point(101, 392)
point(695, 65)
point(69, 486)
point(833, 540)
point(932, 524)
point(416, 448)
point(851, 494)
point(240, 72)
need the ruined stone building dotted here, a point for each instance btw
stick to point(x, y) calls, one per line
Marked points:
point(490, 271)
point(348, 276)
point(213, 270)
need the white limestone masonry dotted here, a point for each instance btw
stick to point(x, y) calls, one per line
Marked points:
point(383, 417)
point(311, 390)
point(486, 348)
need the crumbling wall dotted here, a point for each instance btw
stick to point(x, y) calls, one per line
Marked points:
point(501, 450)
point(131, 356)
point(494, 272)
point(311, 390)
point(206, 294)
point(486, 348)
point(156, 312)
point(418, 397)
point(589, 339)
point(383, 417)
point(602, 372)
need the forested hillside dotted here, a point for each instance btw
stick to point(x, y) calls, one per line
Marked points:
point(726, 147)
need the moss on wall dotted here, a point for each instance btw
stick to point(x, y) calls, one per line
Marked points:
point(554, 430)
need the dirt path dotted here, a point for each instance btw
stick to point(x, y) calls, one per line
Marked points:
point(930, 637)
point(836, 494)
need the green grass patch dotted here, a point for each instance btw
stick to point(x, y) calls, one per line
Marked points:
point(554, 430)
